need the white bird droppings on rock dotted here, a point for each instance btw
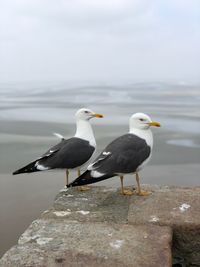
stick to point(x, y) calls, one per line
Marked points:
point(46, 211)
point(65, 189)
point(184, 207)
point(62, 213)
point(84, 199)
point(43, 240)
point(109, 190)
point(116, 244)
point(153, 218)
point(25, 238)
point(83, 212)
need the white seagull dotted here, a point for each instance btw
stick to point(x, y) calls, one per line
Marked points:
point(127, 154)
point(69, 153)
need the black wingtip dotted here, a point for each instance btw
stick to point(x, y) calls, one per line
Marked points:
point(83, 179)
point(86, 178)
point(27, 169)
point(17, 172)
point(22, 170)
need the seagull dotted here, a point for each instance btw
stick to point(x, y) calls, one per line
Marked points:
point(70, 153)
point(127, 154)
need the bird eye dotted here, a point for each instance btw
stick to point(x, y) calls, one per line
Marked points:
point(86, 111)
point(141, 119)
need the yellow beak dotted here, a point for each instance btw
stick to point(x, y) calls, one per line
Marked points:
point(154, 123)
point(97, 115)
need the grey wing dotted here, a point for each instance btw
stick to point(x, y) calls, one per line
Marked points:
point(40, 163)
point(53, 149)
point(123, 155)
point(70, 153)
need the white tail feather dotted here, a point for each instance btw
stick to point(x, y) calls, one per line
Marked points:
point(59, 135)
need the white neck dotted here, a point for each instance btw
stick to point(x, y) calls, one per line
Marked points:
point(144, 134)
point(84, 131)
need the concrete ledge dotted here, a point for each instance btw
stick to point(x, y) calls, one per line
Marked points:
point(100, 204)
point(178, 208)
point(100, 227)
point(51, 242)
point(170, 206)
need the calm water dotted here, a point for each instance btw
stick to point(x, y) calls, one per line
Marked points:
point(30, 113)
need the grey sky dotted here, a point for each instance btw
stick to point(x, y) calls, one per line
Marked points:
point(100, 40)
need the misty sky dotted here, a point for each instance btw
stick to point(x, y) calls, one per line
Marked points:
point(100, 40)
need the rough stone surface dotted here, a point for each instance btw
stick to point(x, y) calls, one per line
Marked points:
point(100, 227)
point(54, 243)
point(100, 204)
point(167, 206)
point(178, 208)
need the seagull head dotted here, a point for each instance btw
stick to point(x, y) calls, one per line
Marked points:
point(87, 114)
point(142, 121)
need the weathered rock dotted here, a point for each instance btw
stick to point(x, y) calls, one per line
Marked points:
point(100, 227)
point(49, 243)
point(178, 208)
point(100, 204)
point(167, 206)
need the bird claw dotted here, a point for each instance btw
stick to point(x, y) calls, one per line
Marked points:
point(143, 193)
point(127, 192)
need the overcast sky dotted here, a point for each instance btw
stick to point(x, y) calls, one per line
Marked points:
point(100, 40)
